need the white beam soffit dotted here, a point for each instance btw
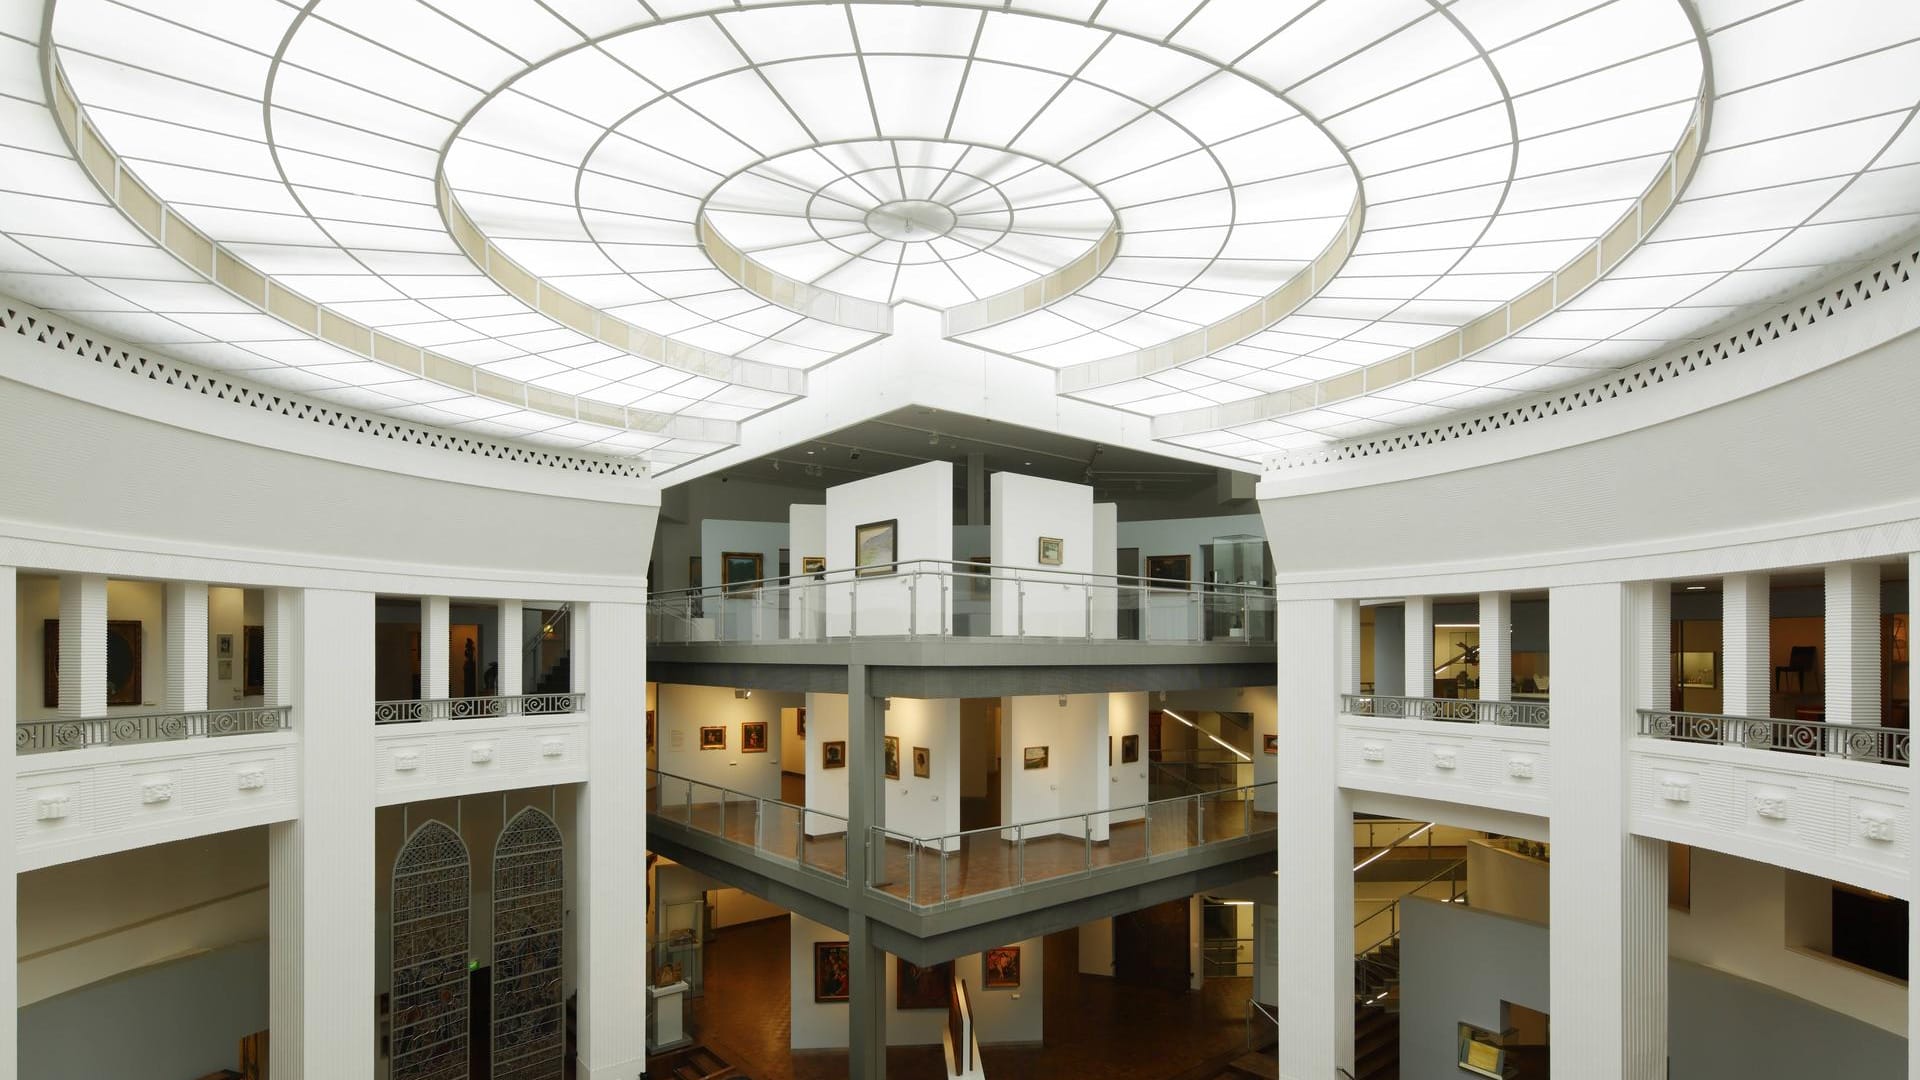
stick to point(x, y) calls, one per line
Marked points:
point(1267, 224)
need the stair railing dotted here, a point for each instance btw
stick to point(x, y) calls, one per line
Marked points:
point(1272, 1017)
point(1373, 975)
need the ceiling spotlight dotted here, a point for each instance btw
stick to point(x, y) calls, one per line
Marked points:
point(743, 694)
point(853, 455)
point(1063, 701)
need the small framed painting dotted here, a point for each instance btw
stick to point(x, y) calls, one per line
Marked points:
point(831, 981)
point(1035, 757)
point(1170, 571)
point(650, 729)
point(833, 755)
point(876, 547)
point(1000, 968)
point(713, 738)
point(1051, 550)
point(1270, 743)
point(813, 565)
point(224, 647)
point(741, 571)
point(226, 670)
point(892, 760)
point(1129, 749)
point(922, 762)
point(800, 721)
point(753, 737)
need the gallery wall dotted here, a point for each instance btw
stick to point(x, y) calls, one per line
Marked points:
point(1127, 782)
point(1105, 606)
point(914, 806)
point(38, 599)
point(826, 788)
point(680, 711)
point(231, 611)
point(181, 1018)
point(806, 536)
point(1025, 509)
point(1185, 536)
point(1720, 1026)
point(1075, 737)
point(920, 502)
point(1001, 1017)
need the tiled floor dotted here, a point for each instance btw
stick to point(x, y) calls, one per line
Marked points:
point(1094, 1026)
point(981, 862)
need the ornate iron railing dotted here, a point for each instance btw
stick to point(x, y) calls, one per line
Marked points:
point(1458, 710)
point(477, 708)
point(1856, 742)
point(40, 736)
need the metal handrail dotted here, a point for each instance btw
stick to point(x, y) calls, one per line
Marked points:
point(1855, 742)
point(745, 796)
point(1528, 714)
point(1272, 1015)
point(958, 568)
point(797, 856)
point(1422, 828)
point(1084, 814)
point(476, 708)
point(76, 733)
point(1393, 906)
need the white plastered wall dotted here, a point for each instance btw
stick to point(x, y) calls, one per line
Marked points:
point(915, 806)
point(1025, 509)
point(680, 712)
point(38, 599)
point(806, 535)
point(920, 501)
point(1126, 781)
point(1075, 737)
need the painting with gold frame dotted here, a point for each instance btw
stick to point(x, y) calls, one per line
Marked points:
point(813, 566)
point(1052, 551)
point(892, 760)
point(833, 754)
point(831, 979)
point(753, 737)
point(1000, 968)
point(876, 547)
point(741, 571)
point(1034, 758)
point(922, 762)
point(713, 737)
point(1170, 571)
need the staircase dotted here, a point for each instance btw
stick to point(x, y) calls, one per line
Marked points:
point(693, 1063)
point(1376, 1043)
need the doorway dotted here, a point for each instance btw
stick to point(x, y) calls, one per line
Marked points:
point(980, 763)
point(1151, 947)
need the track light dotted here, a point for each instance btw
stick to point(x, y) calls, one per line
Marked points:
point(743, 695)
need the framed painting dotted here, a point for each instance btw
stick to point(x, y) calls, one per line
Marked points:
point(1169, 571)
point(892, 759)
point(1052, 550)
point(800, 721)
point(741, 571)
point(1129, 749)
point(1000, 968)
point(650, 729)
point(813, 566)
point(979, 571)
point(753, 737)
point(713, 737)
point(1035, 758)
point(1270, 743)
point(224, 646)
point(833, 755)
point(876, 547)
point(922, 762)
point(916, 987)
point(123, 662)
point(830, 979)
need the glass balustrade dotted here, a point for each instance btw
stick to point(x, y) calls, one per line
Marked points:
point(782, 831)
point(963, 600)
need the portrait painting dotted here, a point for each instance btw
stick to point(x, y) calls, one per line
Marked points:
point(893, 757)
point(713, 738)
point(753, 737)
point(1270, 743)
point(833, 755)
point(1000, 968)
point(1129, 749)
point(922, 762)
point(830, 979)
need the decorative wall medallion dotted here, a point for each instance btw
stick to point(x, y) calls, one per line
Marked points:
point(50, 805)
point(158, 789)
point(251, 777)
point(1875, 824)
point(1373, 751)
point(1445, 758)
point(553, 747)
point(1520, 766)
point(406, 760)
point(1676, 788)
point(480, 753)
point(1770, 804)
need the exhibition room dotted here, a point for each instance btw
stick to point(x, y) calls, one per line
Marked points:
point(959, 540)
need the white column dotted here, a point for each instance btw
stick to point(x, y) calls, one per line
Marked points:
point(1315, 937)
point(9, 969)
point(612, 841)
point(1419, 651)
point(434, 643)
point(1496, 646)
point(509, 648)
point(320, 872)
point(1608, 905)
point(1349, 649)
point(1913, 808)
point(83, 645)
point(1746, 637)
point(1852, 677)
point(187, 646)
point(278, 641)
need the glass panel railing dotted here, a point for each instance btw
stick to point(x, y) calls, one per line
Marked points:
point(929, 871)
point(960, 600)
point(790, 834)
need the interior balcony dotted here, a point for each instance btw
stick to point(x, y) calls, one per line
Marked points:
point(938, 897)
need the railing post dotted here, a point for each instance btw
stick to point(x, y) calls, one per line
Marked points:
point(1019, 855)
point(689, 805)
point(853, 607)
point(913, 868)
point(1089, 598)
point(913, 604)
point(1020, 622)
point(1199, 820)
point(1086, 830)
point(943, 870)
point(1146, 816)
point(759, 824)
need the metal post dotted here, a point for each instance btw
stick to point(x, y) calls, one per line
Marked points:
point(759, 824)
point(1146, 816)
point(913, 868)
point(689, 804)
point(913, 604)
point(1020, 623)
point(1019, 855)
point(1086, 830)
point(943, 870)
point(1199, 820)
point(853, 608)
point(1089, 609)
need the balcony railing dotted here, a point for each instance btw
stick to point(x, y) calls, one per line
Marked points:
point(930, 598)
point(1531, 714)
point(781, 831)
point(40, 736)
point(1855, 742)
point(929, 872)
point(477, 708)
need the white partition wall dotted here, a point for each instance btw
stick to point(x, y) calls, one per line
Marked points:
point(1069, 727)
point(806, 605)
point(680, 712)
point(1105, 602)
point(1045, 600)
point(919, 503)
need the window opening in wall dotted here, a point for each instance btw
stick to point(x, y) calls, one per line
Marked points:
point(1870, 930)
point(546, 664)
point(396, 648)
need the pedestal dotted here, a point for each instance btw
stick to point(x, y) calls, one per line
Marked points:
point(665, 1027)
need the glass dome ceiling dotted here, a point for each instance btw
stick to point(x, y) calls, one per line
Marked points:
point(1266, 224)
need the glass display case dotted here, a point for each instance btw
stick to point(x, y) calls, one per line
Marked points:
point(678, 943)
